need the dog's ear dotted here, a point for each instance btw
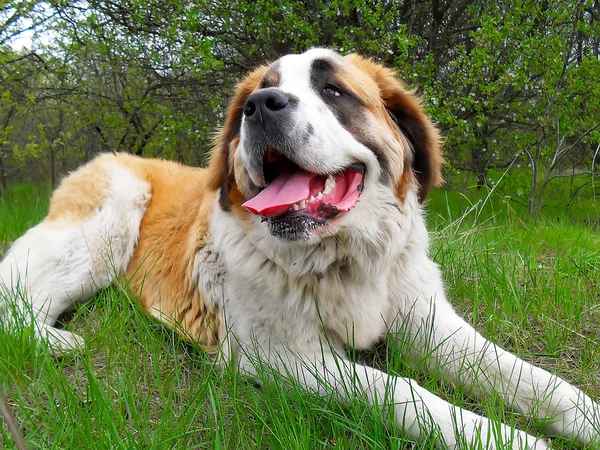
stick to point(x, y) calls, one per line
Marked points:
point(406, 112)
point(221, 170)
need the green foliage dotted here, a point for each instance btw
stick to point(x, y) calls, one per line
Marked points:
point(508, 82)
point(21, 207)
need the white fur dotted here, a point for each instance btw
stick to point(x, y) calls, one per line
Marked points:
point(55, 265)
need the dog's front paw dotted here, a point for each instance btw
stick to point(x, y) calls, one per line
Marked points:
point(63, 341)
point(575, 416)
point(516, 440)
point(476, 432)
point(532, 443)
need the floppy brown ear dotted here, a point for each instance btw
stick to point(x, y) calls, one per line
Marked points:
point(427, 157)
point(221, 171)
point(406, 112)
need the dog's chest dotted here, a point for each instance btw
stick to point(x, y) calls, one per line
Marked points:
point(293, 294)
point(300, 309)
point(355, 310)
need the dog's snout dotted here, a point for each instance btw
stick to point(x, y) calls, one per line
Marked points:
point(265, 104)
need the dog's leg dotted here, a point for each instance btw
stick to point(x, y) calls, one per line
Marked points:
point(44, 273)
point(432, 334)
point(63, 260)
point(417, 412)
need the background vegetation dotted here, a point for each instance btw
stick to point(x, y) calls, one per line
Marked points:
point(514, 87)
point(511, 83)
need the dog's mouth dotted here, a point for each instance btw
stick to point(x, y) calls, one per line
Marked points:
point(291, 190)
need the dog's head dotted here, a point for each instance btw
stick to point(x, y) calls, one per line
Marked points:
point(317, 142)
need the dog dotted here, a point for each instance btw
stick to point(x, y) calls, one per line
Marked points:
point(303, 236)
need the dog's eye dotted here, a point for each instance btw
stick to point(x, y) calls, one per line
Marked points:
point(332, 90)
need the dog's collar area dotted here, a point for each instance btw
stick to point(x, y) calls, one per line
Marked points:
point(291, 189)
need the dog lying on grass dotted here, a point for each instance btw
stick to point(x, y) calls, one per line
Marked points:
point(303, 236)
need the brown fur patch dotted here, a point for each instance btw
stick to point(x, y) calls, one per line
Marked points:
point(81, 194)
point(173, 230)
point(271, 78)
point(403, 185)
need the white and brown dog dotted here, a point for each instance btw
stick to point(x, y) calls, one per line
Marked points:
point(304, 235)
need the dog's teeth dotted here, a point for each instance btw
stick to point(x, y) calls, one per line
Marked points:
point(329, 184)
point(312, 198)
point(302, 204)
point(295, 206)
point(319, 195)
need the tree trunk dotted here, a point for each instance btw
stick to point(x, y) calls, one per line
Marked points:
point(479, 159)
point(437, 15)
point(481, 180)
point(3, 182)
point(53, 146)
point(52, 168)
point(3, 174)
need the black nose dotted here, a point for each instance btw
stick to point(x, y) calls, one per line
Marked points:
point(265, 104)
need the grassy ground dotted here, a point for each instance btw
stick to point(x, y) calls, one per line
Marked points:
point(533, 288)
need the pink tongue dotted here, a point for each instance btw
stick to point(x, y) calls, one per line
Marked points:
point(283, 192)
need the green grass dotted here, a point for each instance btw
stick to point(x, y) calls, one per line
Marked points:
point(21, 208)
point(531, 287)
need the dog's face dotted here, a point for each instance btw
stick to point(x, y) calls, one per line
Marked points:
point(317, 142)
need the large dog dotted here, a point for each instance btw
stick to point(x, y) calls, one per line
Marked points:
point(304, 236)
